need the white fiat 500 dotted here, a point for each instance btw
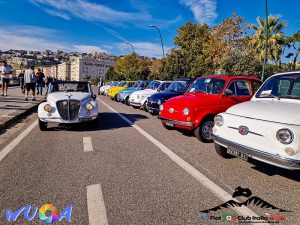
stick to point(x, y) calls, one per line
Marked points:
point(267, 128)
point(68, 102)
point(138, 99)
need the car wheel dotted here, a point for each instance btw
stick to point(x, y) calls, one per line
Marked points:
point(42, 125)
point(116, 98)
point(127, 101)
point(204, 130)
point(167, 127)
point(222, 151)
point(145, 107)
point(152, 113)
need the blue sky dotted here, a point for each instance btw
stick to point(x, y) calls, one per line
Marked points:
point(86, 25)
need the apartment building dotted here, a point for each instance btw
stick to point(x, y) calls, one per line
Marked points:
point(63, 71)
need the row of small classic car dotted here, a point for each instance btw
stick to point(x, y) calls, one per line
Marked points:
point(244, 118)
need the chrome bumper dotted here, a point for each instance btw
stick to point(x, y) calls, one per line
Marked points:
point(176, 122)
point(273, 159)
point(135, 103)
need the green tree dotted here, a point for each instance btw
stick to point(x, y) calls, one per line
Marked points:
point(275, 38)
point(127, 66)
point(294, 43)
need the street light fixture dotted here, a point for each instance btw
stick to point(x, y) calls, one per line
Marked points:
point(131, 46)
point(161, 41)
point(266, 47)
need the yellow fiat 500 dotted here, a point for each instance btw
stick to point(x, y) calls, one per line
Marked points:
point(113, 91)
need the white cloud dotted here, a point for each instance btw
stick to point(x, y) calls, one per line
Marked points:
point(144, 49)
point(88, 48)
point(57, 14)
point(91, 11)
point(204, 10)
point(13, 40)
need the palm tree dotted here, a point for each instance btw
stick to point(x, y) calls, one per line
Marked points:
point(275, 38)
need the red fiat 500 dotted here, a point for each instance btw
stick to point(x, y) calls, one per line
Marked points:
point(206, 97)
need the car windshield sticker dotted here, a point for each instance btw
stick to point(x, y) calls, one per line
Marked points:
point(192, 90)
point(207, 80)
point(266, 92)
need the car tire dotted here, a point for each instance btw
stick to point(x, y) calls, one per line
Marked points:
point(201, 132)
point(136, 107)
point(43, 125)
point(116, 98)
point(153, 113)
point(167, 127)
point(222, 151)
point(145, 107)
point(127, 101)
point(93, 123)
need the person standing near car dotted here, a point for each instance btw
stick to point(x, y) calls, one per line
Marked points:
point(21, 79)
point(5, 77)
point(30, 80)
point(40, 82)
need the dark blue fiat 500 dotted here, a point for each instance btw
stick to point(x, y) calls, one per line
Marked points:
point(177, 88)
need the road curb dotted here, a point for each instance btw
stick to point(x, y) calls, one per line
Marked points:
point(15, 116)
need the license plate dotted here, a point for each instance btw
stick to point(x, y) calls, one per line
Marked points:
point(170, 124)
point(236, 153)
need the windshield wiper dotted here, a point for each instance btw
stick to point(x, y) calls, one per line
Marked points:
point(270, 95)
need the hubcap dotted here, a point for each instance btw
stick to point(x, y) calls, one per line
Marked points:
point(207, 129)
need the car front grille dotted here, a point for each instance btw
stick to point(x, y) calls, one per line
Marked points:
point(68, 109)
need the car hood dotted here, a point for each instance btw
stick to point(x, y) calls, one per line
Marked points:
point(274, 111)
point(165, 95)
point(198, 99)
point(129, 90)
point(105, 86)
point(57, 96)
point(145, 92)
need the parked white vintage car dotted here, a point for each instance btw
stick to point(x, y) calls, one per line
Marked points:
point(138, 99)
point(267, 128)
point(68, 102)
point(103, 90)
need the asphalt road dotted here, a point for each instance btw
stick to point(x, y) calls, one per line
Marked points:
point(120, 173)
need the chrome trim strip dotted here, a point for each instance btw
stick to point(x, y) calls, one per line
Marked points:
point(273, 159)
point(176, 122)
point(249, 132)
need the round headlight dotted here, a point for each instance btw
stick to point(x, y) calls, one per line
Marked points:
point(47, 108)
point(89, 106)
point(186, 111)
point(159, 102)
point(219, 121)
point(161, 107)
point(285, 136)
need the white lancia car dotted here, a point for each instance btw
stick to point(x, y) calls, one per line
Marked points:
point(68, 102)
point(138, 99)
point(267, 128)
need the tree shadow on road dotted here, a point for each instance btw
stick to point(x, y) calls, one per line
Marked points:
point(106, 121)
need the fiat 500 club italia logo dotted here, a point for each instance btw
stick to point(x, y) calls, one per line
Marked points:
point(47, 213)
point(243, 130)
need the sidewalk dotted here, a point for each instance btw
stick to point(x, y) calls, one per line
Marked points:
point(13, 106)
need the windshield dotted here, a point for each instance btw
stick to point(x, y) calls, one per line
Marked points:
point(115, 83)
point(178, 86)
point(153, 85)
point(121, 84)
point(207, 85)
point(284, 86)
point(69, 87)
point(137, 84)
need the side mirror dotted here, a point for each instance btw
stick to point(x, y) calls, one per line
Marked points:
point(228, 92)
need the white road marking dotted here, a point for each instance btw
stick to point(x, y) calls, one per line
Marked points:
point(87, 144)
point(205, 181)
point(17, 140)
point(96, 206)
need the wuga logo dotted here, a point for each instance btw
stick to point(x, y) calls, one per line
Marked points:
point(49, 209)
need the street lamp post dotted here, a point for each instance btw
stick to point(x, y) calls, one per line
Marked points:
point(266, 47)
point(161, 41)
point(131, 46)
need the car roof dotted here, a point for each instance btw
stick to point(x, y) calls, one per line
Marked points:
point(73, 81)
point(230, 77)
point(286, 73)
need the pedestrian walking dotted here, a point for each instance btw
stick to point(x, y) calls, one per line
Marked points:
point(30, 80)
point(5, 78)
point(21, 79)
point(40, 82)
